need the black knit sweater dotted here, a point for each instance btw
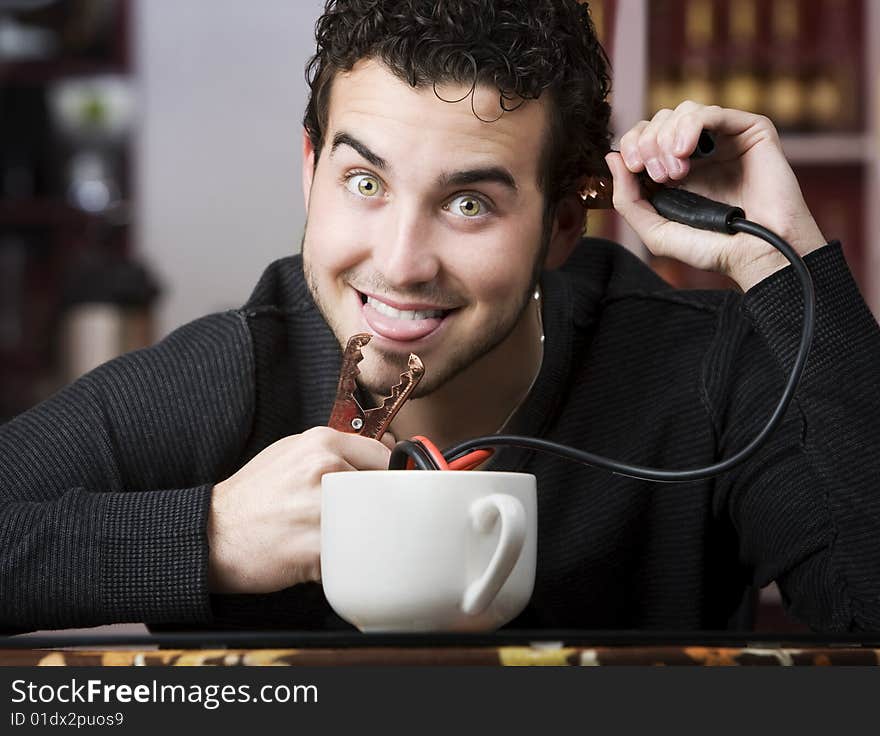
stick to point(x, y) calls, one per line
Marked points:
point(105, 487)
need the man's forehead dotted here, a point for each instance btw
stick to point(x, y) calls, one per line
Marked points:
point(374, 104)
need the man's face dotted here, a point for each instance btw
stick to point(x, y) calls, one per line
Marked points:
point(424, 223)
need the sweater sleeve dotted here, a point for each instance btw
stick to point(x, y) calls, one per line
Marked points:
point(807, 506)
point(105, 487)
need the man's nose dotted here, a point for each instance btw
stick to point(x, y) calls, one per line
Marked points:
point(406, 253)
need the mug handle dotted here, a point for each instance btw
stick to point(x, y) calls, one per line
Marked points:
point(484, 512)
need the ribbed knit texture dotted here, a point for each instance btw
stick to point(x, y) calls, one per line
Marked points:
point(105, 487)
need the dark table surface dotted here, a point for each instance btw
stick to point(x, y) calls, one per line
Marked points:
point(495, 648)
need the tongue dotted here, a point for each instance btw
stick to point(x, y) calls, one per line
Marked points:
point(399, 329)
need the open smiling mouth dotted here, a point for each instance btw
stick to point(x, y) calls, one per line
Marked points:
point(402, 325)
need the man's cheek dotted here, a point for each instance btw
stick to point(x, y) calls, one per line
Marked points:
point(326, 257)
point(505, 283)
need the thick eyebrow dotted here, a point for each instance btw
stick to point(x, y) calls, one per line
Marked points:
point(344, 139)
point(495, 174)
point(464, 178)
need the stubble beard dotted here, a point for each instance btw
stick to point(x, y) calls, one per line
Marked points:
point(387, 366)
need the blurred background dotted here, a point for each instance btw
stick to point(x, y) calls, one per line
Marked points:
point(149, 171)
point(150, 152)
point(809, 65)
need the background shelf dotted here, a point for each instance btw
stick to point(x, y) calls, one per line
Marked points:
point(839, 170)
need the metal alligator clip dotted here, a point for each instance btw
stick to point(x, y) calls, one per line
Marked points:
point(348, 415)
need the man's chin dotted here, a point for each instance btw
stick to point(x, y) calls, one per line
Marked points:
point(380, 387)
point(380, 383)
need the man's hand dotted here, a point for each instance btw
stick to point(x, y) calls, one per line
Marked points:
point(264, 525)
point(748, 169)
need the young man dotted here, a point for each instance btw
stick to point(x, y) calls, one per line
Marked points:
point(444, 146)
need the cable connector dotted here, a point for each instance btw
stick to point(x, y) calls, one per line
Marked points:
point(694, 210)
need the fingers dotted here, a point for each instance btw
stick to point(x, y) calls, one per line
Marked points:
point(663, 145)
point(629, 147)
point(628, 200)
point(362, 453)
point(304, 458)
point(683, 133)
point(729, 122)
point(626, 184)
point(640, 148)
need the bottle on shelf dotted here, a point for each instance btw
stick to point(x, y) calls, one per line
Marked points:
point(832, 89)
point(785, 100)
point(664, 91)
point(697, 81)
point(741, 87)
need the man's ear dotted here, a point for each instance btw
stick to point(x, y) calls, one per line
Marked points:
point(568, 226)
point(308, 167)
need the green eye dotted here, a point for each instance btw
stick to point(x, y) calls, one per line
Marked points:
point(364, 184)
point(467, 205)
point(368, 186)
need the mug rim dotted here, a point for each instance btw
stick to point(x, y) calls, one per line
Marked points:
point(400, 473)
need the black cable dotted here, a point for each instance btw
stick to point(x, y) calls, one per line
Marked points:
point(406, 449)
point(732, 224)
point(699, 212)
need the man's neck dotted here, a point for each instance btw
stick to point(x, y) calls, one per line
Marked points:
point(480, 399)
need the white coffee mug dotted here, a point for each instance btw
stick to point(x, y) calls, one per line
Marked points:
point(416, 550)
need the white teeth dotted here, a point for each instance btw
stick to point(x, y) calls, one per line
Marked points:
point(383, 308)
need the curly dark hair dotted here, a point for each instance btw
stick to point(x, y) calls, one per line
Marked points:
point(522, 47)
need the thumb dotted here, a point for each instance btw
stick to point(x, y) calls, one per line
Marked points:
point(628, 199)
point(388, 440)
